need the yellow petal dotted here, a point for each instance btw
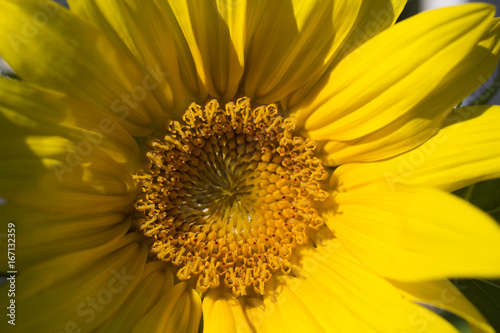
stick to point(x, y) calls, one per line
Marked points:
point(403, 134)
point(178, 310)
point(154, 38)
point(48, 45)
point(242, 18)
point(205, 26)
point(462, 157)
point(340, 295)
point(65, 266)
point(25, 108)
point(50, 175)
point(153, 280)
point(354, 23)
point(54, 153)
point(222, 312)
point(60, 182)
point(390, 60)
point(292, 43)
point(400, 77)
point(465, 152)
point(444, 295)
point(62, 232)
point(57, 298)
point(410, 233)
point(372, 18)
point(281, 311)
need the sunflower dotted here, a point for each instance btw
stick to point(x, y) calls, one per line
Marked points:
point(244, 166)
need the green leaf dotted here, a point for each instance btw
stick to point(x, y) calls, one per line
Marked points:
point(485, 195)
point(484, 294)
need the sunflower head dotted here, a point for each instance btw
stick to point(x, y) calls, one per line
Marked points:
point(228, 194)
point(317, 203)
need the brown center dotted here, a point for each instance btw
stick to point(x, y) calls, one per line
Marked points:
point(229, 193)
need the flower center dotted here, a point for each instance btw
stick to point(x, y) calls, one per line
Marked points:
point(229, 193)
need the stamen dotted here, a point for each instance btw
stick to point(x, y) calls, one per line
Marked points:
point(229, 194)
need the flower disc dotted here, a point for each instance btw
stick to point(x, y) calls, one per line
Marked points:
point(229, 193)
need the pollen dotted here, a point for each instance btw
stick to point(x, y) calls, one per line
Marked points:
point(229, 193)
